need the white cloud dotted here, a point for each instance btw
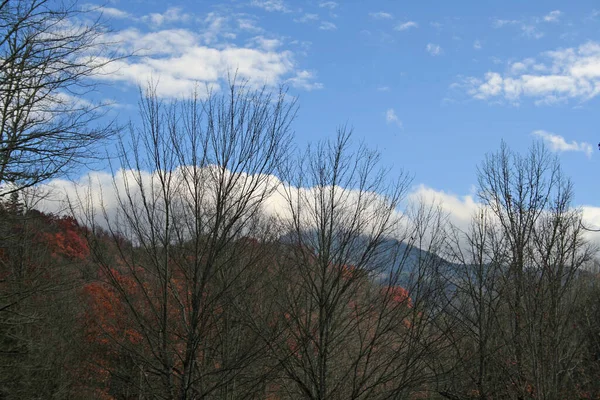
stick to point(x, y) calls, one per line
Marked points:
point(307, 18)
point(477, 45)
point(265, 43)
point(531, 31)
point(327, 26)
point(164, 42)
point(154, 20)
point(392, 118)
point(563, 74)
point(591, 218)
point(178, 59)
point(215, 28)
point(406, 26)
point(460, 209)
point(558, 143)
point(433, 49)
point(527, 27)
point(328, 4)
point(380, 15)
point(113, 12)
point(303, 46)
point(249, 25)
point(271, 5)
point(172, 15)
point(499, 23)
point(383, 89)
point(305, 80)
point(553, 16)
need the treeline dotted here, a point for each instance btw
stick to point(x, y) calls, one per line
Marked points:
point(207, 277)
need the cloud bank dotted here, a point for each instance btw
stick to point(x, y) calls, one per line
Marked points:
point(102, 192)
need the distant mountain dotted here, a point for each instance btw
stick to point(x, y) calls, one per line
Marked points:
point(393, 260)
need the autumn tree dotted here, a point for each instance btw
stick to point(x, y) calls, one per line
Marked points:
point(41, 260)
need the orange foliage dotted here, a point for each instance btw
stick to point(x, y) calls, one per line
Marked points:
point(348, 271)
point(106, 319)
point(398, 295)
point(68, 240)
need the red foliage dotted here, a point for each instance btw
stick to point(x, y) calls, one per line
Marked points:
point(103, 313)
point(348, 271)
point(398, 295)
point(108, 327)
point(67, 239)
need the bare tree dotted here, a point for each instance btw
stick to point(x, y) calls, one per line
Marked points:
point(513, 282)
point(587, 326)
point(194, 180)
point(46, 57)
point(477, 311)
point(347, 328)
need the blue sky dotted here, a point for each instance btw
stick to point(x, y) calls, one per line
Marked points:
point(432, 85)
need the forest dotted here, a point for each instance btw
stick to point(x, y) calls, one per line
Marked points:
point(234, 265)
